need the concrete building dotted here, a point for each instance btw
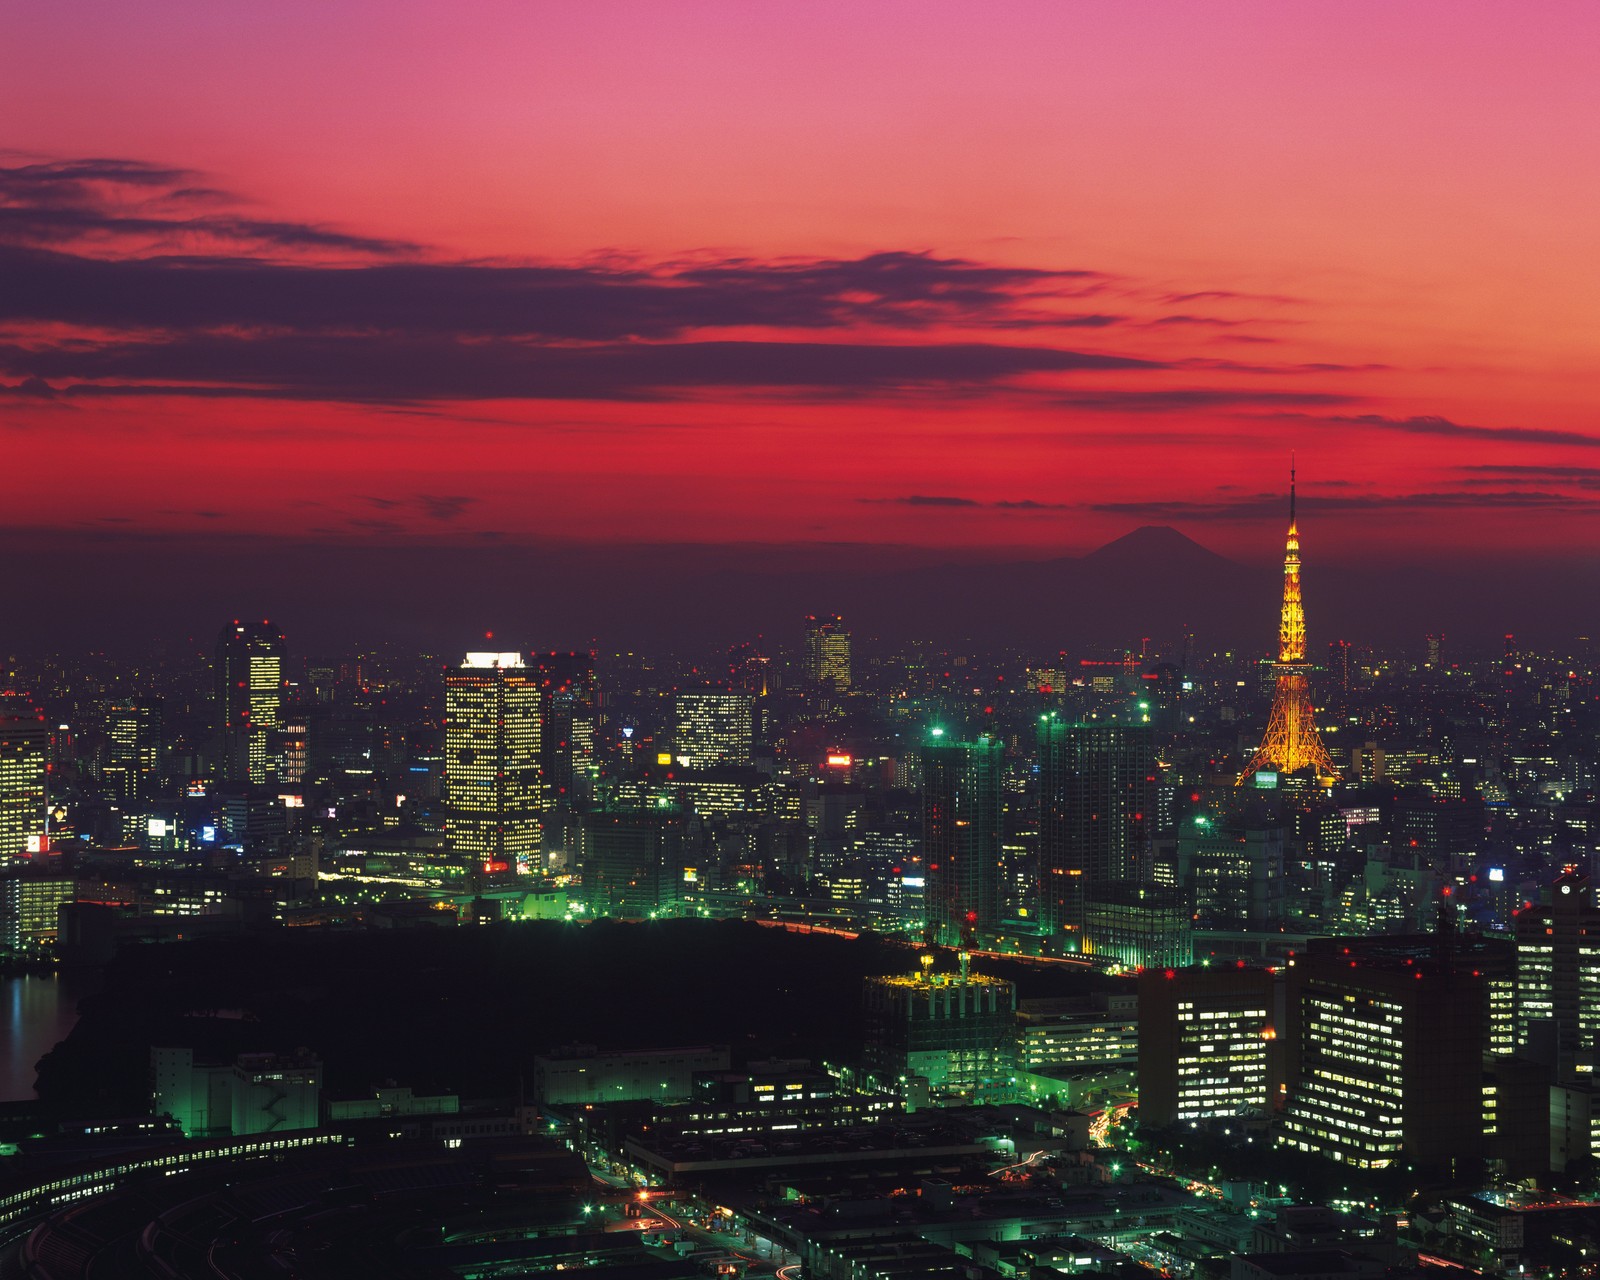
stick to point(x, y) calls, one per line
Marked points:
point(955, 1031)
point(1386, 1040)
point(961, 836)
point(1204, 1044)
point(30, 905)
point(255, 1093)
point(1138, 926)
point(24, 786)
point(1080, 1032)
point(493, 790)
point(580, 1074)
point(714, 729)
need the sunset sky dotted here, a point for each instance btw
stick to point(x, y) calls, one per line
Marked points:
point(1011, 276)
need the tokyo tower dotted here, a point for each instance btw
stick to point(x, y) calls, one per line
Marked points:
point(1292, 742)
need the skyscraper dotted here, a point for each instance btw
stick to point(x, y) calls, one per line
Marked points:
point(1558, 971)
point(961, 835)
point(133, 752)
point(492, 790)
point(632, 861)
point(24, 786)
point(713, 729)
point(1096, 811)
point(827, 658)
point(1291, 743)
point(249, 674)
point(567, 726)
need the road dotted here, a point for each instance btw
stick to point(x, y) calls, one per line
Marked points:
point(773, 1261)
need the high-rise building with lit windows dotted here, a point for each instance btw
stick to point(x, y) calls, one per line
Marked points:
point(1386, 1038)
point(713, 729)
point(24, 786)
point(493, 797)
point(961, 835)
point(827, 656)
point(30, 904)
point(249, 675)
point(1096, 812)
point(133, 752)
point(1205, 1042)
point(1558, 970)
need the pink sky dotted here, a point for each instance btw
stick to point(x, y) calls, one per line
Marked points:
point(1374, 226)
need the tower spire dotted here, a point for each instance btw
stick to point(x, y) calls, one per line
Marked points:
point(1292, 742)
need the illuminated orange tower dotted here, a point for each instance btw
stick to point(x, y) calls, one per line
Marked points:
point(1292, 742)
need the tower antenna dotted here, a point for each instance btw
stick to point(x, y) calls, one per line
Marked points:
point(1292, 742)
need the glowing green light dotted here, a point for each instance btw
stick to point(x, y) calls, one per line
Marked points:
point(937, 733)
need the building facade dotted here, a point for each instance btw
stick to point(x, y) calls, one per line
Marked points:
point(1096, 812)
point(957, 1032)
point(961, 837)
point(1205, 1040)
point(249, 698)
point(491, 779)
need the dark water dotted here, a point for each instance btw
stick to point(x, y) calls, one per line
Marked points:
point(35, 1014)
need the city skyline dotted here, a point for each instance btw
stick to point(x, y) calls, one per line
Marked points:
point(891, 281)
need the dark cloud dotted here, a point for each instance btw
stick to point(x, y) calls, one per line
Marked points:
point(163, 287)
point(433, 505)
point(1225, 295)
point(927, 500)
point(1187, 399)
point(1187, 320)
point(443, 507)
point(394, 369)
point(1255, 506)
point(1429, 425)
point(97, 201)
point(1525, 469)
point(581, 303)
point(33, 388)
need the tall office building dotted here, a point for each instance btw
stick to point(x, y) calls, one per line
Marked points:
point(249, 674)
point(632, 861)
point(827, 659)
point(568, 709)
point(1558, 970)
point(713, 730)
point(961, 836)
point(24, 786)
point(1386, 1038)
point(493, 796)
point(1096, 812)
point(1339, 672)
point(1234, 871)
point(1204, 1041)
point(133, 753)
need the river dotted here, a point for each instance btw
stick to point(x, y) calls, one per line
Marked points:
point(36, 1012)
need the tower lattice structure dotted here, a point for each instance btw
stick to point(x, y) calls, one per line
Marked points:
point(1292, 742)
